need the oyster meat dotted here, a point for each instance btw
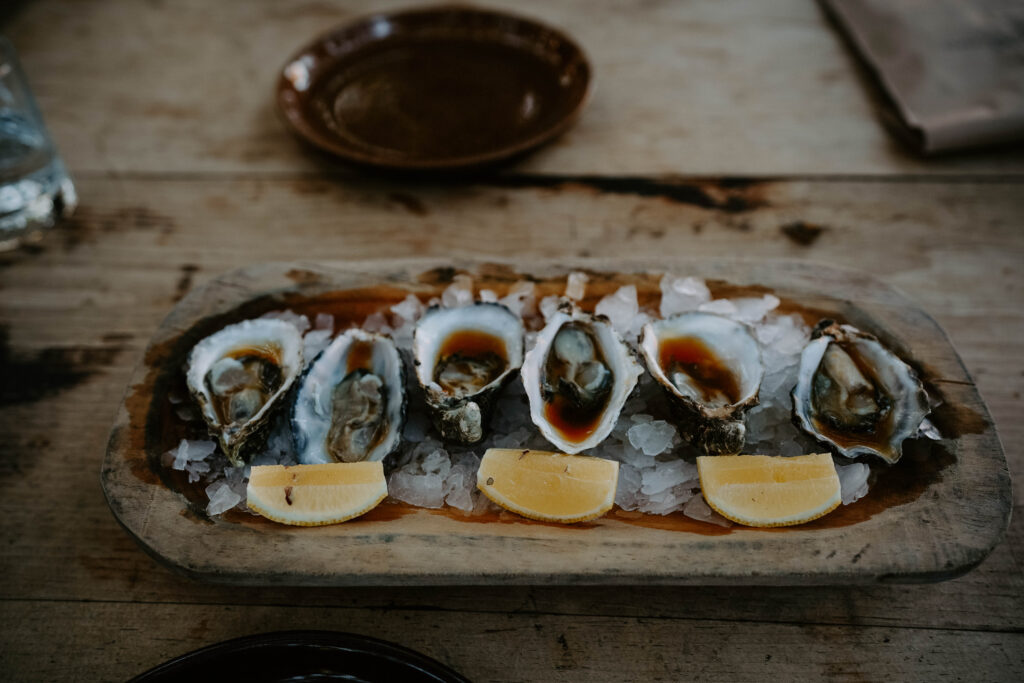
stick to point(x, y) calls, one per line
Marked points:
point(463, 357)
point(577, 378)
point(350, 403)
point(238, 377)
point(711, 368)
point(855, 395)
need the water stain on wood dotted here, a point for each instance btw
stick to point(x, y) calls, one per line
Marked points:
point(301, 276)
point(804, 234)
point(89, 224)
point(728, 195)
point(31, 376)
point(116, 337)
point(410, 203)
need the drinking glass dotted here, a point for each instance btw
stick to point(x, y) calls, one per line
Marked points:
point(35, 189)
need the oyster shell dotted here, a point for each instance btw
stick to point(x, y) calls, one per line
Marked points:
point(855, 395)
point(463, 357)
point(350, 403)
point(577, 378)
point(711, 368)
point(238, 377)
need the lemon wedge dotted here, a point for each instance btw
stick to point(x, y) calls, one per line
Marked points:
point(551, 487)
point(314, 495)
point(764, 490)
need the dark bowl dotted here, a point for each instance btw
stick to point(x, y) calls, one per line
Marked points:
point(303, 656)
point(441, 88)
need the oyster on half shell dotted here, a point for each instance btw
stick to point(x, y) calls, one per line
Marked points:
point(856, 395)
point(350, 403)
point(239, 376)
point(463, 357)
point(577, 378)
point(711, 368)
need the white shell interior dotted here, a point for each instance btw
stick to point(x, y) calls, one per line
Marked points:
point(259, 333)
point(625, 371)
point(438, 324)
point(729, 340)
point(896, 377)
point(311, 416)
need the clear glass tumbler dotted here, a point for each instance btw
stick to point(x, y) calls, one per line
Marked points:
point(35, 189)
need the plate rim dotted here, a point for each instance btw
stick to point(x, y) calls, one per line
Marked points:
point(341, 640)
point(297, 125)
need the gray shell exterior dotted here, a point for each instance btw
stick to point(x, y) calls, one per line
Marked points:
point(910, 403)
point(462, 419)
point(310, 415)
point(240, 441)
point(714, 430)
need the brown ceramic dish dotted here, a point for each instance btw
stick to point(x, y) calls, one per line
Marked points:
point(441, 88)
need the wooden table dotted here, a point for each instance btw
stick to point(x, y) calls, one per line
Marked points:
point(163, 113)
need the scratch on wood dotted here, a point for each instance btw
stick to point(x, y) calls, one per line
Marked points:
point(804, 234)
point(184, 281)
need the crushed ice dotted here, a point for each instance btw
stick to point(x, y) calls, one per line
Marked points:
point(657, 474)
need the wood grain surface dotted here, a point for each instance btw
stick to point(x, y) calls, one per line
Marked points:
point(163, 112)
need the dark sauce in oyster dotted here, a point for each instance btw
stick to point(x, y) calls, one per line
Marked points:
point(576, 390)
point(359, 356)
point(868, 423)
point(709, 374)
point(256, 380)
point(468, 361)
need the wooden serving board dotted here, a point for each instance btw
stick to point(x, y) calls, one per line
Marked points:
point(933, 516)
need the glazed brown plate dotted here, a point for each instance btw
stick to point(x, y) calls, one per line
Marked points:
point(439, 88)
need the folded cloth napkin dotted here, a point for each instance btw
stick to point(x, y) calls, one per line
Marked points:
point(952, 70)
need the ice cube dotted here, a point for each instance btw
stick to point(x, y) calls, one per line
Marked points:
point(653, 437)
point(549, 306)
point(459, 293)
point(576, 286)
point(754, 309)
point(718, 307)
point(423, 490)
point(621, 308)
point(853, 480)
point(324, 321)
point(290, 316)
point(408, 309)
point(697, 508)
point(189, 451)
point(666, 475)
point(520, 299)
point(626, 494)
point(222, 497)
point(314, 342)
point(682, 294)
point(377, 322)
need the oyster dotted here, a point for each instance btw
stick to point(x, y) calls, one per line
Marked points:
point(463, 357)
point(856, 395)
point(577, 378)
point(350, 403)
point(238, 377)
point(711, 368)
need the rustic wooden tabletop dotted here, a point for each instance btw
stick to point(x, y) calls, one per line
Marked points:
point(163, 113)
